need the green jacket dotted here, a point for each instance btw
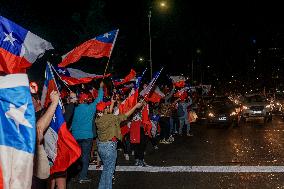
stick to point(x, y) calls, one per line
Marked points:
point(108, 126)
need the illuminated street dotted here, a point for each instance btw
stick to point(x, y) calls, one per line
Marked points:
point(216, 154)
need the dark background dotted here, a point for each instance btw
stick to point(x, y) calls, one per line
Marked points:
point(234, 41)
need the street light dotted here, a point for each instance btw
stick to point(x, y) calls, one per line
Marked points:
point(163, 5)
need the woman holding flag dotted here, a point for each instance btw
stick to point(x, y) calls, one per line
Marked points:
point(108, 129)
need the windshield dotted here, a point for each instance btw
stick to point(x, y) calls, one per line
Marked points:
point(256, 98)
point(222, 104)
point(279, 96)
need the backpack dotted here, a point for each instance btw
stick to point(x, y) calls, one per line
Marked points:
point(180, 111)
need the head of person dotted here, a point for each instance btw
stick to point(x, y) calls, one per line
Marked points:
point(83, 98)
point(72, 98)
point(33, 87)
point(103, 108)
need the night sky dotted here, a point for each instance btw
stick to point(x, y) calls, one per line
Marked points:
point(221, 40)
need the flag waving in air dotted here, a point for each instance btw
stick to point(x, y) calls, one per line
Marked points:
point(156, 95)
point(74, 76)
point(17, 132)
point(128, 78)
point(100, 46)
point(19, 48)
point(145, 92)
point(178, 81)
point(60, 146)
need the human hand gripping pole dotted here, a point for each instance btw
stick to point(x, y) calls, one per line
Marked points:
point(130, 112)
point(44, 121)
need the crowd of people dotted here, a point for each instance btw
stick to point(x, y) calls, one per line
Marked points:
point(100, 126)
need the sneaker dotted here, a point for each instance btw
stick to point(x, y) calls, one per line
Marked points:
point(137, 162)
point(143, 163)
point(169, 141)
point(188, 134)
point(87, 180)
point(132, 153)
point(171, 138)
point(156, 147)
point(164, 141)
point(126, 156)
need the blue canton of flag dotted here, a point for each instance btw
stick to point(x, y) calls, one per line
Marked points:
point(17, 115)
point(12, 37)
point(107, 37)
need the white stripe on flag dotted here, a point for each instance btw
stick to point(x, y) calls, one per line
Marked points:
point(34, 47)
point(17, 168)
point(198, 169)
point(13, 80)
point(50, 143)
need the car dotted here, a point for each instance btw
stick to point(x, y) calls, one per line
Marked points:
point(222, 110)
point(256, 106)
point(277, 103)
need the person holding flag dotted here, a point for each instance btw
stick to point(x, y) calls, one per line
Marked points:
point(82, 129)
point(41, 166)
point(109, 132)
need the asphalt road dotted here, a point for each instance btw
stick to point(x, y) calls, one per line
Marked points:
point(249, 156)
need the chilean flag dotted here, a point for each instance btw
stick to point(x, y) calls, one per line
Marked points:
point(182, 94)
point(60, 146)
point(156, 95)
point(145, 92)
point(178, 81)
point(74, 76)
point(129, 102)
point(128, 78)
point(19, 48)
point(17, 132)
point(49, 85)
point(100, 46)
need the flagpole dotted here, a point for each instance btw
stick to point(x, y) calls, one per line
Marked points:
point(61, 79)
point(110, 52)
point(154, 81)
point(60, 100)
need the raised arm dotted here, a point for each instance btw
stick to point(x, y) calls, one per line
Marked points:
point(100, 93)
point(44, 121)
point(138, 105)
point(167, 98)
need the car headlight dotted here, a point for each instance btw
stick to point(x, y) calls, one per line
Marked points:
point(211, 115)
point(245, 107)
point(233, 113)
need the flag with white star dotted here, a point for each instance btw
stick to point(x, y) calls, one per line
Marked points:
point(17, 131)
point(19, 48)
point(98, 47)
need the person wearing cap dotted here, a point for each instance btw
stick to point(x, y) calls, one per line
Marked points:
point(108, 130)
point(82, 129)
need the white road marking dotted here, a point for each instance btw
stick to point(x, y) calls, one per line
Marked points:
point(199, 169)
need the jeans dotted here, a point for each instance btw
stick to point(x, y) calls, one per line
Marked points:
point(174, 124)
point(184, 121)
point(165, 127)
point(108, 154)
point(86, 146)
